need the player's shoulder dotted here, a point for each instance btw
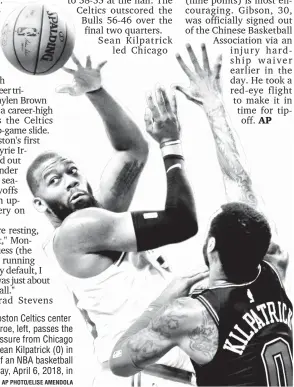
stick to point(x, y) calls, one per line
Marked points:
point(194, 327)
point(83, 215)
point(189, 312)
point(278, 259)
point(184, 306)
point(77, 223)
point(75, 229)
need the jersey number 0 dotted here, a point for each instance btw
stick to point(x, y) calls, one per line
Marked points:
point(277, 360)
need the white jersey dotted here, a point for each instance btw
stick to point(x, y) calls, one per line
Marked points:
point(115, 298)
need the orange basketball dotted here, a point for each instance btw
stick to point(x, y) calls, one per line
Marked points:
point(36, 39)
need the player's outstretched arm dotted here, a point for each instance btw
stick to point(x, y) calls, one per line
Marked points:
point(205, 90)
point(86, 232)
point(182, 321)
point(120, 177)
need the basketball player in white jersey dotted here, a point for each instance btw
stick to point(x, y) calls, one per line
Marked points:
point(91, 233)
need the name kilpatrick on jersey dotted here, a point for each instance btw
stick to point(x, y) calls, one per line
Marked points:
point(257, 318)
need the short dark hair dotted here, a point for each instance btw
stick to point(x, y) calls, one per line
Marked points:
point(33, 183)
point(242, 237)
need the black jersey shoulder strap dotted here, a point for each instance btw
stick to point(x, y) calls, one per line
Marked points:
point(209, 301)
point(275, 272)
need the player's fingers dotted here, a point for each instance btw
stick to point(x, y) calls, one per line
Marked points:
point(70, 71)
point(69, 89)
point(148, 120)
point(183, 90)
point(174, 104)
point(193, 58)
point(166, 101)
point(160, 100)
point(75, 60)
point(184, 66)
point(217, 67)
point(153, 108)
point(197, 277)
point(187, 93)
point(101, 64)
point(88, 62)
point(206, 66)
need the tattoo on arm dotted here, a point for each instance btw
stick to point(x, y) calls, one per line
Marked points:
point(144, 347)
point(236, 179)
point(126, 177)
point(229, 157)
point(150, 344)
point(168, 321)
point(204, 338)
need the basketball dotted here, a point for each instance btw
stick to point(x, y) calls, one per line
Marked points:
point(36, 39)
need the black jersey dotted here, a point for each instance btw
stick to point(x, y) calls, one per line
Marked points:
point(255, 333)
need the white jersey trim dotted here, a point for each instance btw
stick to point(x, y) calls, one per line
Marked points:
point(238, 285)
point(120, 259)
point(209, 307)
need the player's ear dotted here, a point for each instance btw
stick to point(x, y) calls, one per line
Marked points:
point(211, 244)
point(40, 205)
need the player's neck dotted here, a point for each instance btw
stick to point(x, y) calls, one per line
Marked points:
point(220, 282)
point(54, 220)
point(217, 277)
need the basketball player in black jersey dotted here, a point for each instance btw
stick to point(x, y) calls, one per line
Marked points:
point(238, 331)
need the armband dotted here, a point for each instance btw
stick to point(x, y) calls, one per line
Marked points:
point(172, 148)
point(154, 229)
point(121, 363)
point(178, 221)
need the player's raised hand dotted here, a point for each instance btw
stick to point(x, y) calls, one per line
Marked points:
point(86, 78)
point(205, 85)
point(161, 117)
